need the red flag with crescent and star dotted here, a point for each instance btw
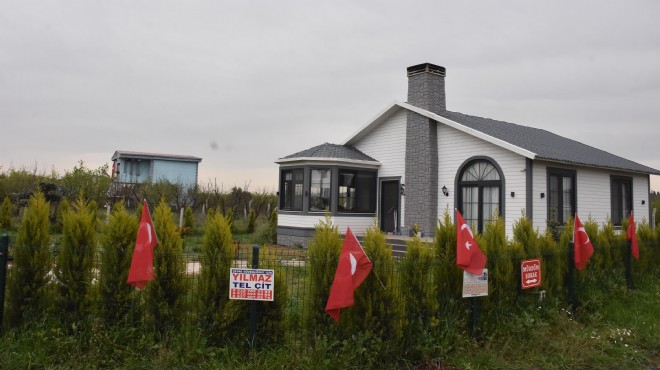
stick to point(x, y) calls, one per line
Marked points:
point(468, 255)
point(352, 269)
point(632, 236)
point(583, 249)
point(142, 263)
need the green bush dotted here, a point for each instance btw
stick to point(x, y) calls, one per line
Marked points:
point(271, 233)
point(6, 214)
point(376, 306)
point(415, 274)
point(75, 259)
point(230, 220)
point(118, 241)
point(252, 219)
point(323, 254)
point(216, 259)
point(28, 278)
point(503, 285)
point(165, 295)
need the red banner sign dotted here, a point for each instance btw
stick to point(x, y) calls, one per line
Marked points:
point(530, 273)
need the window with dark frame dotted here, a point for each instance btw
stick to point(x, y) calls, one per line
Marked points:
point(319, 192)
point(561, 195)
point(357, 191)
point(291, 192)
point(480, 190)
point(621, 197)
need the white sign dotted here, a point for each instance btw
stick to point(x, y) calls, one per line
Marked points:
point(252, 284)
point(475, 285)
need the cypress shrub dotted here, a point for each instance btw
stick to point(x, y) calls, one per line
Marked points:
point(165, 295)
point(5, 214)
point(645, 241)
point(216, 260)
point(230, 220)
point(503, 286)
point(252, 219)
point(62, 208)
point(416, 276)
point(323, 257)
point(75, 259)
point(552, 267)
point(271, 233)
point(376, 306)
point(188, 218)
point(448, 277)
point(118, 241)
point(525, 235)
point(28, 278)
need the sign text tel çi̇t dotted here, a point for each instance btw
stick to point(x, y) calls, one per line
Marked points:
point(252, 284)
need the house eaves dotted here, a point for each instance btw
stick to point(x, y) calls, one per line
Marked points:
point(151, 156)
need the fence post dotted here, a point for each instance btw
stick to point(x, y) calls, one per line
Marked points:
point(473, 317)
point(4, 254)
point(571, 275)
point(253, 304)
point(627, 258)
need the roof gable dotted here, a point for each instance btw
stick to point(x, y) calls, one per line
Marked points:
point(330, 152)
point(527, 141)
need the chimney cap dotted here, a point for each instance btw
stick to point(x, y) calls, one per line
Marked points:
point(426, 67)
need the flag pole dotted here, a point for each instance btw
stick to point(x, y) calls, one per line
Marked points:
point(571, 269)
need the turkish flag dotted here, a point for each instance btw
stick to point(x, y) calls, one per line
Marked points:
point(632, 236)
point(582, 245)
point(468, 255)
point(352, 269)
point(142, 263)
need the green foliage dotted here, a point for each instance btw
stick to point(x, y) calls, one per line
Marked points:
point(375, 301)
point(165, 295)
point(28, 280)
point(230, 220)
point(62, 208)
point(272, 325)
point(252, 218)
point(6, 214)
point(118, 241)
point(416, 275)
point(94, 184)
point(503, 285)
point(271, 231)
point(188, 218)
point(323, 254)
point(448, 277)
point(553, 266)
point(75, 259)
point(22, 182)
point(216, 260)
point(525, 236)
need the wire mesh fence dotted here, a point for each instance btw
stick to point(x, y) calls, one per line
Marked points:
point(401, 297)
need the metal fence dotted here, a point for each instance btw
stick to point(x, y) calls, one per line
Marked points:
point(418, 293)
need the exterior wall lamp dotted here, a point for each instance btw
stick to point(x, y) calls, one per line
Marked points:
point(445, 191)
point(403, 189)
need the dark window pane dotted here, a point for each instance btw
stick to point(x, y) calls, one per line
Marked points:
point(319, 194)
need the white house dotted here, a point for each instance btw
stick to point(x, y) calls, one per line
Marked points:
point(415, 160)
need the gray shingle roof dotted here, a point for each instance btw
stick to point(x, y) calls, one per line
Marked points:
point(547, 145)
point(335, 151)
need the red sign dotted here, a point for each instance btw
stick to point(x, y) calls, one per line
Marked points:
point(530, 273)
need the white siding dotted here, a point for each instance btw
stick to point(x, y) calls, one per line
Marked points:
point(539, 205)
point(358, 224)
point(455, 147)
point(387, 144)
point(593, 193)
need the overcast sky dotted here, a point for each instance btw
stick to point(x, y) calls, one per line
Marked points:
point(243, 83)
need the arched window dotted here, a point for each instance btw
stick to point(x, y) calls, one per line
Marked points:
point(480, 191)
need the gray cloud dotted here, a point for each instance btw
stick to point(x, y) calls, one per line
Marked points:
point(261, 80)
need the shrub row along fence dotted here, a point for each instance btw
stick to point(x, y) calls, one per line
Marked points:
point(407, 302)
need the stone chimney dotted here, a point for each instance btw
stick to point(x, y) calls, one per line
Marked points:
point(426, 87)
point(426, 90)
